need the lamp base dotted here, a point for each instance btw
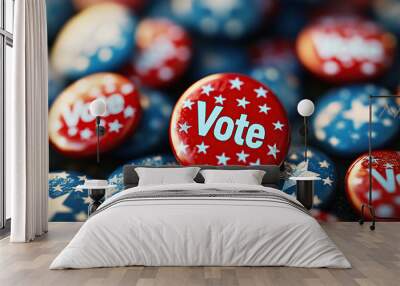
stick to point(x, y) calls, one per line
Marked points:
point(372, 213)
point(97, 196)
point(305, 193)
point(100, 131)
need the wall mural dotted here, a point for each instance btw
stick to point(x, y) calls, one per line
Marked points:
point(218, 82)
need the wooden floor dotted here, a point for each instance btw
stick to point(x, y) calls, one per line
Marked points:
point(375, 257)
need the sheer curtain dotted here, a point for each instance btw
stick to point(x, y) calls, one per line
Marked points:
point(26, 124)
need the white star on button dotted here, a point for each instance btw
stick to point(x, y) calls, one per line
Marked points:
point(261, 92)
point(127, 88)
point(242, 102)
point(60, 175)
point(264, 108)
point(387, 122)
point(129, 112)
point(316, 200)
point(334, 141)
point(278, 125)
point(219, 99)
point(374, 160)
point(256, 163)
point(222, 159)
point(358, 114)
point(182, 148)
point(114, 126)
point(58, 188)
point(188, 104)
point(273, 150)
point(82, 178)
point(242, 156)
point(57, 205)
point(327, 181)
point(388, 166)
point(206, 89)
point(236, 83)
point(86, 133)
point(355, 136)
point(202, 148)
point(357, 181)
point(110, 88)
point(72, 131)
point(324, 164)
point(184, 127)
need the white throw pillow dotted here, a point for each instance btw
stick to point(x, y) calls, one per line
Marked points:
point(166, 176)
point(247, 177)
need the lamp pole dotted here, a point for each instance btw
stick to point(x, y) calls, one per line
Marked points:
point(97, 109)
point(305, 138)
point(98, 138)
point(305, 108)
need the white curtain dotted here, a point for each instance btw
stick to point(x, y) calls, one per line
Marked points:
point(26, 123)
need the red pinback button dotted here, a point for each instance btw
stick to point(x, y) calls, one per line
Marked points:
point(385, 183)
point(344, 49)
point(72, 127)
point(164, 52)
point(229, 119)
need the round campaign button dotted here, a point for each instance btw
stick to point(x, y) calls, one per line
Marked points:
point(71, 125)
point(385, 183)
point(341, 120)
point(164, 52)
point(99, 38)
point(318, 163)
point(229, 119)
point(66, 203)
point(345, 49)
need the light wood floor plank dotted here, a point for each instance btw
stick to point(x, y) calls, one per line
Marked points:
point(375, 257)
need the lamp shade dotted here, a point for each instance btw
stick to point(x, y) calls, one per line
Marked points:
point(305, 107)
point(98, 107)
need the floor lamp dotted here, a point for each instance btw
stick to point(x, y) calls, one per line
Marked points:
point(369, 205)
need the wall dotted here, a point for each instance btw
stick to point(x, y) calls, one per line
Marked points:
point(143, 58)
